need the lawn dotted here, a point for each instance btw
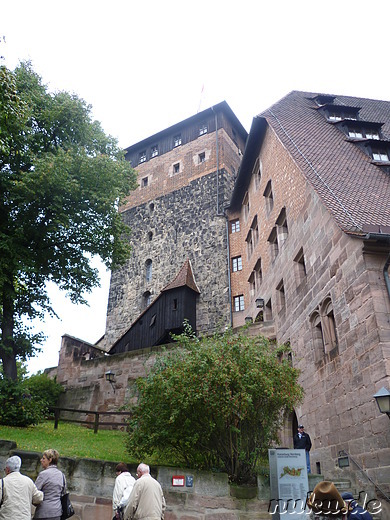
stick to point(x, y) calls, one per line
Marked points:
point(70, 441)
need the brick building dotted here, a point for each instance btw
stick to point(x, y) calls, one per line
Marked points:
point(309, 240)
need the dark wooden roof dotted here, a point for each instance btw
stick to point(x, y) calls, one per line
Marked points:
point(354, 188)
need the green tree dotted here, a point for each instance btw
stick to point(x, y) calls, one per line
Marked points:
point(217, 402)
point(61, 180)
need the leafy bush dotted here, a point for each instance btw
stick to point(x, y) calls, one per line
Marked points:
point(44, 388)
point(17, 406)
point(215, 403)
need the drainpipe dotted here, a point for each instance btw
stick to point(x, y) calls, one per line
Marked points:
point(217, 157)
point(229, 272)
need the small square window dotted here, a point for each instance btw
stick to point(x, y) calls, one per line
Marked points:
point(176, 168)
point(203, 129)
point(154, 151)
point(144, 182)
point(153, 320)
point(142, 156)
point(201, 157)
point(235, 226)
point(177, 140)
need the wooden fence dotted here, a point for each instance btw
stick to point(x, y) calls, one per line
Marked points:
point(96, 422)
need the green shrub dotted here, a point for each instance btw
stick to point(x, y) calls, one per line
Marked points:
point(44, 388)
point(215, 403)
point(17, 406)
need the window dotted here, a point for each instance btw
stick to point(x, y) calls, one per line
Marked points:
point(144, 182)
point(300, 266)
point(236, 264)
point(252, 284)
point(372, 134)
point(177, 140)
point(324, 330)
point(249, 243)
point(201, 157)
point(148, 270)
point(174, 304)
point(258, 272)
point(154, 151)
point(282, 229)
point(152, 320)
point(235, 225)
point(150, 236)
point(255, 231)
point(380, 155)
point(147, 299)
point(257, 173)
point(151, 207)
point(268, 310)
point(333, 116)
point(203, 129)
point(355, 133)
point(142, 156)
point(176, 168)
point(245, 205)
point(281, 295)
point(273, 243)
point(269, 198)
point(239, 303)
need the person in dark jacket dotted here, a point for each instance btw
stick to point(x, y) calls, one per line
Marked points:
point(355, 512)
point(53, 484)
point(302, 441)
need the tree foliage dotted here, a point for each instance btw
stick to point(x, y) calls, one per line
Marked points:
point(217, 402)
point(61, 180)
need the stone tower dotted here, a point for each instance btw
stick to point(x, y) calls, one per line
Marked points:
point(186, 175)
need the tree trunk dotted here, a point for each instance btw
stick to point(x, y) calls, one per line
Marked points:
point(7, 352)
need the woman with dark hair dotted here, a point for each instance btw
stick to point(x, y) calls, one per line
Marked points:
point(53, 484)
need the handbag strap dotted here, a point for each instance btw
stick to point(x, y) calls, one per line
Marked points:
point(63, 484)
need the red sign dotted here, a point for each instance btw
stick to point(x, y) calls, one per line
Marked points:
point(178, 480)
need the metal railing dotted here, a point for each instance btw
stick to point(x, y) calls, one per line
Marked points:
point(96, 422)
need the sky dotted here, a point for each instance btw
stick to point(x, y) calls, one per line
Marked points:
point(148, 64)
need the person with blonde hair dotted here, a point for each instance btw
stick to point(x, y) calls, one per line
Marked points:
point(17, 492)
point(53, 484)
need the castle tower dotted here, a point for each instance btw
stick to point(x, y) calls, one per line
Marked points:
point(185, 174)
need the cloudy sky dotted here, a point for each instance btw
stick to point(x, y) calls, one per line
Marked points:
point(145, 65)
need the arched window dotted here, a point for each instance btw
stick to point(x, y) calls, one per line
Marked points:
point(328, 325)
point(148, 270)
point(147, 299)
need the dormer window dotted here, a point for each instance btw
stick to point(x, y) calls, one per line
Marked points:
point(154, 151)
point(323, 99)
point(354, 133)
point(334, 113)
point(142, 156)
point(380, 155)
point(177, 140)
point(359, 129)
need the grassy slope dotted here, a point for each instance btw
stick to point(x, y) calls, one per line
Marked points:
point(70, 441)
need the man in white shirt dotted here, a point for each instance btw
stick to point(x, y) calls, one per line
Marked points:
point(17, 492)
point(124, 483)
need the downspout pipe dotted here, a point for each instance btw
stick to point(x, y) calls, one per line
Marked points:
point(386, 238)
point(229, 272)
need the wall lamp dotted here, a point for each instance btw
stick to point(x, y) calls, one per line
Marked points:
point(110, 377)
point(259, 303)
point(383, 401)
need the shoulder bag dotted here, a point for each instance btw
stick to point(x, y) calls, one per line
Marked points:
point(67, 508)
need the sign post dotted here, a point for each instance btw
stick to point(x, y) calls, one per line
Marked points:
point(289, 483)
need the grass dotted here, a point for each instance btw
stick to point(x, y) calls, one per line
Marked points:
point(70, 440)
